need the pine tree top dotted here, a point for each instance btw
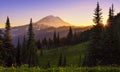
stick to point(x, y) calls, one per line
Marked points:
point(8, 23)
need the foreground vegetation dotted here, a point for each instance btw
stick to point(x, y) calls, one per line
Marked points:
point(25, 68)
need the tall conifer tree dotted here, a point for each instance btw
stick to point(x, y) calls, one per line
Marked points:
point(18, 53)
point(70, 36)
point(94, 51)
point(58, 39)
point(110, 41)
point(32, 49)
point(8, 46)
point(24, 51)
point(1, 47)
point(55, 39)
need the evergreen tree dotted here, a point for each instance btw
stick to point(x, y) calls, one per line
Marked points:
point(24, 51)
point(32, 49)
point(94, 51)
point(50, 43)
point(110, 42)
point(75, 38)
point(39, 44)
point(111, 15)
point(1, 48)
point(44, 43)
point(58, 39)
point(70, 36)
point(112, 10)
point(116, 30)
point(9, 57)
point(18, 54)
point(55, 39)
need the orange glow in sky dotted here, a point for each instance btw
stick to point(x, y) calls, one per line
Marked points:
point(76, 12)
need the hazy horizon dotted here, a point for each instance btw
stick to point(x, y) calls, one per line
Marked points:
point(76, 12)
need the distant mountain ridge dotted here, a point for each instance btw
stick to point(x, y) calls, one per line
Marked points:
point(45, 27)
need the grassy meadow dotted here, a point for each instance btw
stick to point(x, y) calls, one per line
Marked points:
point(73, 55)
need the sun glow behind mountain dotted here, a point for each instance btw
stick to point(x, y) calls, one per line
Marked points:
point(76, 12)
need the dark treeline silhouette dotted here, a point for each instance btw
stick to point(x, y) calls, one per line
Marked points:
point(104, 48)
point(26, 51)
point(72, 38)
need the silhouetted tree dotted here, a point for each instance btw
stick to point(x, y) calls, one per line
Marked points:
point(39, 46)
point(84, 36)
point(75, 38)
point(18, 54)
point(58, 39)
point(9, 57)
point(1, 48)
point(112, 10)
point(44, 43)
point(24, 51)
point(116, 30)
point(70, 36)
point(110, 42)
point(94, 50)
point(50, 43)
point(32, 49)
point(55, 39)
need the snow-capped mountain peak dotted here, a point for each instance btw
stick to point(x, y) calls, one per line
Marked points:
point(53, 21)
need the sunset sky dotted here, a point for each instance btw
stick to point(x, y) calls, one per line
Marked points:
point(76, 12)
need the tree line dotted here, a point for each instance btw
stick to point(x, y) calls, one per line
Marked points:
point(104, 48)
point(71, 38)
point(22, 54)
point(26, 51)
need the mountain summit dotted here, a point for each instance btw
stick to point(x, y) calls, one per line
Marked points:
point(52, 21)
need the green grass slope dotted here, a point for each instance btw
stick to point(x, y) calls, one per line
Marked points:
point(74, 54)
